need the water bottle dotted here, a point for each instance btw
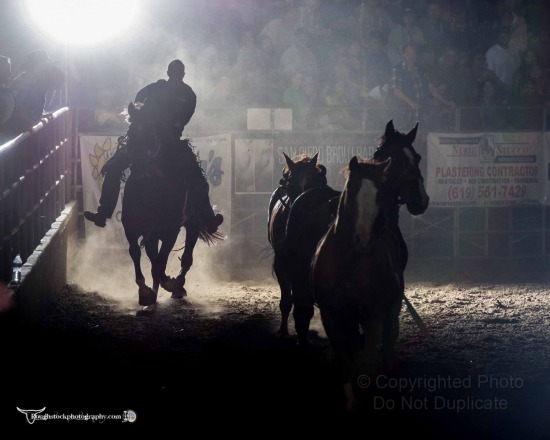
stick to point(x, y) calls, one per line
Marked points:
point(17, 265)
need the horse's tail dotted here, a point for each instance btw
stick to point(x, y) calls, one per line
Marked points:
point(211, 238)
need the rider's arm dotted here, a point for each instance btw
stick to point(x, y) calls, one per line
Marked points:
point(191, 105)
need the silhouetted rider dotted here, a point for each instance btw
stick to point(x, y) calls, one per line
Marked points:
point(175, 102)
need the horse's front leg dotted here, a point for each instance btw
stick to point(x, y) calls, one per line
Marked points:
point(151, 248)
point(146, 295)
point(159, 260)
point(191, 237)
point(342, 335)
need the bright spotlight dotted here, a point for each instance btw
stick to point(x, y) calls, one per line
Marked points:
point(83, 22)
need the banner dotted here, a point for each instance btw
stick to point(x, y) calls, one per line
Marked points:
point(335, 151)
point(215, 155)
point(484, 169)
point(253, 166)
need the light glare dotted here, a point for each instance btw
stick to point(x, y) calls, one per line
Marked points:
point(83, 22)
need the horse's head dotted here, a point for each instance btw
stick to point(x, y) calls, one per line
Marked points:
point(359, 202)
point(142, 139)
point(405, 181)
point(302, 174)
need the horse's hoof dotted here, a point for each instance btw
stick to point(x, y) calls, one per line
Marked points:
point(283, 333)
point(147, 310)
point(169, 284)
point(147, 296)
point(179, 293)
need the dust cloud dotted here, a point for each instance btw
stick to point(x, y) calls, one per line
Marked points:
point(110, 271)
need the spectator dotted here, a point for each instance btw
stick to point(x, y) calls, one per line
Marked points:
point(402, 33)
point(475, 76)
point(355, 60)
point(257, 90)
point(374, 18)
point(340, 116)
point(213, 61)
point(528, 58)
point(539, 78)
point(249, 56)
point(41, 75)
point(503, 60)
point(508, 16)
point(295, 98)
point(434, 31)
point(377, 64)
point(412, 90)
point(269, 62)
point(311, 112)
point(341, 17)
point(281, 30)
point(223, 94)
point(299, 57)
point(249, 12)
point(450, 76)
point(309, 18)
point(349, 91)
point(459, 32)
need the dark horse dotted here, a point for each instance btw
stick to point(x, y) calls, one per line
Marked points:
point(300, 175)
point(313, 212)
point(155, 206)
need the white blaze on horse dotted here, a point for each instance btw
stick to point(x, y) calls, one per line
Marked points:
point(355, 275)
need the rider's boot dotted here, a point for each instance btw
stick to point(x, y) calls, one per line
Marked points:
point(211, 219)
point(96, 217)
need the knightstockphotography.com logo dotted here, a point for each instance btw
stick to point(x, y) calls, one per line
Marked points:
point(40, 415)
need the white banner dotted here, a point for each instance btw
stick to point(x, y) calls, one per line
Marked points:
point(253, 166)
point(484, 169)
point(215, 155)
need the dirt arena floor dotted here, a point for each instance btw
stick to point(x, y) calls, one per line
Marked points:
point(212, 361)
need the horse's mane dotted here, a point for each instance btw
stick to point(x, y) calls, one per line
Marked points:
point(346, 170)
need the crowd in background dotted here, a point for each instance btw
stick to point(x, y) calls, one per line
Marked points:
point(345, 64)
point(419, 59)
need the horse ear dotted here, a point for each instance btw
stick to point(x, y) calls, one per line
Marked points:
point(390, 130)
point(411, 135)
point(289, 162)
point(131, 109)
point(323, 170)
point(313, 160)
point(353, 163)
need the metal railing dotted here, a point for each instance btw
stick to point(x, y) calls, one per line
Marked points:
point(36, 173)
